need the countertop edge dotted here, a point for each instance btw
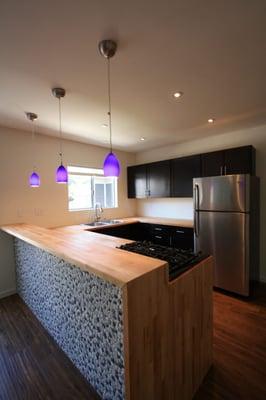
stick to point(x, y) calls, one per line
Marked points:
point(84, 266)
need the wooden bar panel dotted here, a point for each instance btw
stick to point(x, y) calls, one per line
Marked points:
point(168, 333)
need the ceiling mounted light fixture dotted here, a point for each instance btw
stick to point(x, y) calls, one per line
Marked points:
point(61, 172)
point(111, 165)
point(211, 120)
point(142, 139)
point(34, 179)
point(178, 94)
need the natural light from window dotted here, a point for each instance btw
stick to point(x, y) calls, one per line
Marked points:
point(88, 186)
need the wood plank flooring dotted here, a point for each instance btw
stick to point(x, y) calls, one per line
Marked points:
point(239, 369)
point(32, 367)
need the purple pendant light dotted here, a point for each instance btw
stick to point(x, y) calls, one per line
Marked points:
point(111, 165)
point(61, 172)
point(34, 179)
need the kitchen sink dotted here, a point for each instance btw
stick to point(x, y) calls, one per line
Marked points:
point(105, 222)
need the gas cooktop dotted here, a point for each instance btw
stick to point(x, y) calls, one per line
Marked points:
point(179, 260)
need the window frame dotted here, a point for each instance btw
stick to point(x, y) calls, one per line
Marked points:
point(90, 173)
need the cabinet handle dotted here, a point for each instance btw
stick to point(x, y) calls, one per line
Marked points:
point(158, 229)
point(158, 237)
point(225, 169)
point(221, 170)
point(178, 231)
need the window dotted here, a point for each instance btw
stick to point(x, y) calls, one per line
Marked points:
point(88, 186)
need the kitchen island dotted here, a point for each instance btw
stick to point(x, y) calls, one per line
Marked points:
point(131, 332)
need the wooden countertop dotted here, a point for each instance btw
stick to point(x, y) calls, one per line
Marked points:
point(184, 223)
point(92, 251)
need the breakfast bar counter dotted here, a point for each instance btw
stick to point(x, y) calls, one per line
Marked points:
point(132, 333)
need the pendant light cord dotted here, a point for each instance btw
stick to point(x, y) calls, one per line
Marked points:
point(60, 130)
point(33, 142)
point(109, 103)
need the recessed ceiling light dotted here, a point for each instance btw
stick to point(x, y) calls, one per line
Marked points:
point(104, 125)
point(142, 139)
point(211, 120)
point(178, 94)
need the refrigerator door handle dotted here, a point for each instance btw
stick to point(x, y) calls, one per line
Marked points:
point(196, 196)
point(196, 208)
point(196, 223)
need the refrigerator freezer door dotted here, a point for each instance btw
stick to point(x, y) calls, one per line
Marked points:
point(226, 237)
point(222, 193)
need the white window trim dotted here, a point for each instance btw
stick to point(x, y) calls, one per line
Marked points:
point(93, 172)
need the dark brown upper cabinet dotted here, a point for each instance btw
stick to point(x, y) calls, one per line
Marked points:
point(239, 160)
point(149, 180)
point(137, 182)
point(173, 178)
point(158, 179)
point(183, 170)
point(212, 163)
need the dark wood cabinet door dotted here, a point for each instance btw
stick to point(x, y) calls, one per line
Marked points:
point(240, 160)
point(183, 170)
point(137, 181)
point(183, 238)
point(212, 164)
point(161, 234)
point(131, 182)
point(159, 179)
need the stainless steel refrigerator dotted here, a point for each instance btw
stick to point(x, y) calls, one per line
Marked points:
point(226, 225)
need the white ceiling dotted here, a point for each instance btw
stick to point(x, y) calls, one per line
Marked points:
point(212, 50)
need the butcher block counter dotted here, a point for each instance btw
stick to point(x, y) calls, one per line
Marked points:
point(132, 333)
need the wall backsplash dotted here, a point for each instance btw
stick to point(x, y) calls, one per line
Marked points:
point(166, 208)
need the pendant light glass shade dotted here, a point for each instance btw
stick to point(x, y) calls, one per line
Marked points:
point(61, 174)
point(111, 165)
point(34, 180)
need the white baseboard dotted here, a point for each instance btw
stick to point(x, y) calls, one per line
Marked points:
point(7, 293)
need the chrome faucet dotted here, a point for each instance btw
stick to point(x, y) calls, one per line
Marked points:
point(97, 212)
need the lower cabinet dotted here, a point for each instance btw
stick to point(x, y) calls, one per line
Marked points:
point(161, 234)
point(183, 238)
point(135, 231)
point(173, 236)
point(164, 235)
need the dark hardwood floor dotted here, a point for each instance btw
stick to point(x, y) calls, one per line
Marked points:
point(239, 369)
point(32, 367)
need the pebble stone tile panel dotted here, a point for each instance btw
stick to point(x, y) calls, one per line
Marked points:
point(81, 311)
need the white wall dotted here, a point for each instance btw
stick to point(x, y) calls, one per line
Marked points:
point(182, 208)
point(47, 205)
